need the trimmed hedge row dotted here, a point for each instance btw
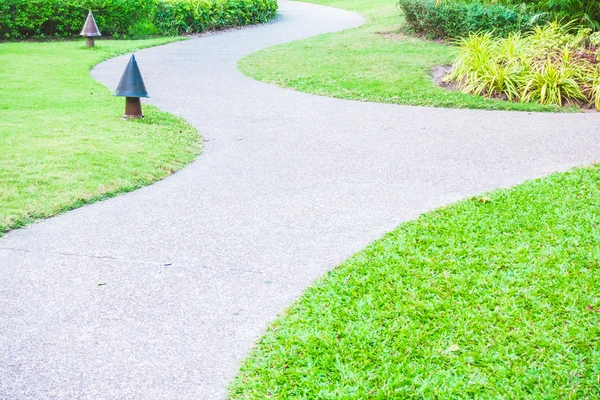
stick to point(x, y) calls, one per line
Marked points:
point(21, 19)
point(43, 18)
point(187, 16)
point(458, 19)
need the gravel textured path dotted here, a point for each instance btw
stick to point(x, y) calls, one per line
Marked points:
point(289, 185)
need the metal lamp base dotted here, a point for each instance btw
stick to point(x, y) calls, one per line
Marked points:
point(133, 108)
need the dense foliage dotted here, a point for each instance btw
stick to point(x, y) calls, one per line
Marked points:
point(585, 12)
point(45, 18)
point(34, 19)
point(187, 16)
point(551, 65)
point(456, 19)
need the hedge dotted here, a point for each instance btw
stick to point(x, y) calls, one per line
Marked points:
point(459, 19)
point(187, 16)
point(44, 18)
point(21, 19)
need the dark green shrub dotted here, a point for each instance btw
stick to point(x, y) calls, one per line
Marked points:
point(20, 19)
point(458, 19)
point(143, 29)
point(43, 18)
point(584, 12)
point(187, 16)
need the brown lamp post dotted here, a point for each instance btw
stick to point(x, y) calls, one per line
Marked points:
point(131, 86)
point(90, 30)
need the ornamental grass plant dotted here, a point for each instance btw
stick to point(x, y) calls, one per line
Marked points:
point(553, 64)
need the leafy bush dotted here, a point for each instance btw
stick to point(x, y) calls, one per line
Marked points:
point(44, 18)
point(585, 12)
point(553, 64)
point(457, 19)
point(143, 29)
point(187, 16)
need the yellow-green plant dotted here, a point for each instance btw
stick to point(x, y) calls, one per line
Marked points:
point(553, 84)
point(553, 64)
point(513, 49)
point(475, 54)
point(486, 66)
point(595, 89)
point(552, 35)
point(501, 79)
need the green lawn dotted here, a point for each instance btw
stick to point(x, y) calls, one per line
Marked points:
point(62, 141)
point(373, 63)
point(496, 297)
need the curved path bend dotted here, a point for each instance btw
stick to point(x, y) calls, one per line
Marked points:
point(289, 185)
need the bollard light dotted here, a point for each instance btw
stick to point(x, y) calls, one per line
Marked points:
point(90, 30)
point(131, 86)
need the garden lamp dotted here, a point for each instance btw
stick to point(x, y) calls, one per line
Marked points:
point(90, 30)
point(132, 88)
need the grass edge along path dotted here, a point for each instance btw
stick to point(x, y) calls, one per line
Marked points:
point(492, 297)
point(375, 62)
point(64, 143)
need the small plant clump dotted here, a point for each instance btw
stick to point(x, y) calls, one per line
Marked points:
point(554, 64)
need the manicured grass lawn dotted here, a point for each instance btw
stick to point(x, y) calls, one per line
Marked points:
point(62, 141)
point(496, 297)
point(374, 62)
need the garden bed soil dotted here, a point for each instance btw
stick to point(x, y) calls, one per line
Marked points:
point(439, 72)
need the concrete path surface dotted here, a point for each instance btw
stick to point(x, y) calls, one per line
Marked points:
point(196, 266)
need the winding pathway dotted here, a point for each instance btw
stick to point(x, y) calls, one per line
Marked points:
point(289, 185)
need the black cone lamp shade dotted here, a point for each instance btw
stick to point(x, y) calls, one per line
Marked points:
point(131, 86)
point(131, 83)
